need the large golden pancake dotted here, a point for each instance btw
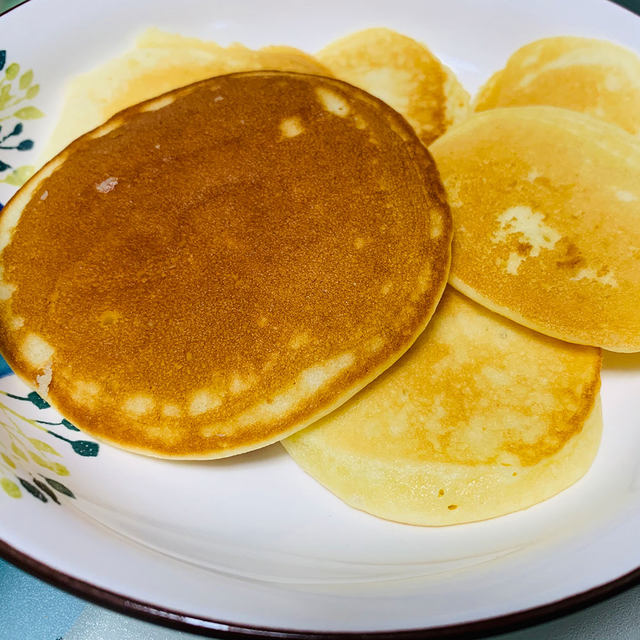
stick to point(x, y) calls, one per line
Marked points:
point(481, 417)
point(596, 77)
point(546, 210)
point(159, 63)
point(218, 267)
point(403, 73)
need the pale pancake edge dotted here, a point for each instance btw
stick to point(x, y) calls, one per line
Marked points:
point(403, 73)
point(481, 417)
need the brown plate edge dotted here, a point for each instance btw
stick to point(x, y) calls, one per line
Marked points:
point(213, 628)
point(231, 630)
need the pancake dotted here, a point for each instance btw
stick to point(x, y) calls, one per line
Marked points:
point(596, 77)
point(546, 210)
point(480, 418)
point(160, 62)
point(403, 73)
point(216, 268)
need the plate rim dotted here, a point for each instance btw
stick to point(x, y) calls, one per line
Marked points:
point(213, 628)
point(209, 627)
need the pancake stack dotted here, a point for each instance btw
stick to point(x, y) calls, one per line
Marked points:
point(278, 240)
point(545, 206)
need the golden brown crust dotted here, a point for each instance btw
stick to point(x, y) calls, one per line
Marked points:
point(215, 268)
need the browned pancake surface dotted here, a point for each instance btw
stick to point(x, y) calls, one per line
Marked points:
point(214, 269)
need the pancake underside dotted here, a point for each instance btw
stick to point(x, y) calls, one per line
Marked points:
point(481, 417)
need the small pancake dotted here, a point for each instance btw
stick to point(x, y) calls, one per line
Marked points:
point(481, 417)
point(546, 210)
point(403, 73)
point(596, 77)
point(160, 62)
point(216, 268)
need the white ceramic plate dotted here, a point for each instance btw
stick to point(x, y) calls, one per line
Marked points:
point(252, 545)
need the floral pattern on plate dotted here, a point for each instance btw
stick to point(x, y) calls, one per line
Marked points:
point(29, 464)
point(17, 90)
point(28, 461)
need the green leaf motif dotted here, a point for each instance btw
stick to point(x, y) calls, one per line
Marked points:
point(43, 447)
point(68, 425)
point(28, 113)
point(19, 176)
point(45, 489)
point(39, 460)
point(60, 488)
point(34, 491)
point(8, 461)
point(37, 401)
point(19, 452)
point(12, 71)
point(33, 91)
point(5, 96)
point(60, 469)
point(26, 79)
point(10, 488)
point(86, 448)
